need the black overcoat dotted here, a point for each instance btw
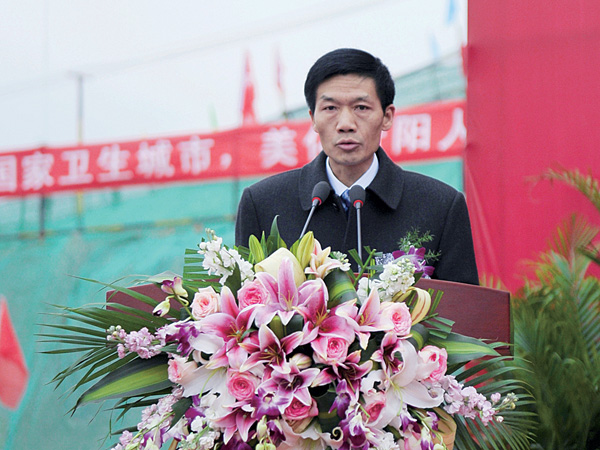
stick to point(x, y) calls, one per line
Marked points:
point(397, 201)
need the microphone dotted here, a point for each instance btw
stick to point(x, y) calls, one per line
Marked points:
point(357, 199)
point(319, 193)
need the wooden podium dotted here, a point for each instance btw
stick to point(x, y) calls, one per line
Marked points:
point(477, 311)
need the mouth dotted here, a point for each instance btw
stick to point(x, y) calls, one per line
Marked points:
point(347, 144)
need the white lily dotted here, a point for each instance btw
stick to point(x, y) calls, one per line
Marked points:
point(272, 263)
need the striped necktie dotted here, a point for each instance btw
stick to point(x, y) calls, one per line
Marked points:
point(345, 197)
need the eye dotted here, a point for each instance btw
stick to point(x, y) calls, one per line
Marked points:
point(329, 108)
point(362, 107)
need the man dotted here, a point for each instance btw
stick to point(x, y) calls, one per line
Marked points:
point(350, 95)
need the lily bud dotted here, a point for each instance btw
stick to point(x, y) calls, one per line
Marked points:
point(162, 308)
point(305, 248)
point(256, 249)
point(301, 361)
point(261, 428)
point(272, 263)
point(421, 303)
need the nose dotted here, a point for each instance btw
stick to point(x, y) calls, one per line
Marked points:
point(346, 122)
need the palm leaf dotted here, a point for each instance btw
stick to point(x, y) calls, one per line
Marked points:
point(137, 377)
point(557, 338)
point(516, 431)
point(586, 184)
point(462, 348)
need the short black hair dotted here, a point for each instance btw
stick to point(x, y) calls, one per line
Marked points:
point(346, 61)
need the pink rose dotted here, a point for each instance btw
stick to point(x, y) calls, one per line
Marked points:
point(206, 301)
point(242, 385)
point(374, 404)
point(180, 369)
point(330, 350)
point(435, 360)
point(299, 411)
point(399, 314)
point(253, 293)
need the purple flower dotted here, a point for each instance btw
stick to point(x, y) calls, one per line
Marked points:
point(141, 342)
point(351, 370)
point(182, 333)
point(236, 444)
point(355, 432)
point(342, 399)
point(417, 257)
point(174, 287)
point(289, 384)
point(267, 403)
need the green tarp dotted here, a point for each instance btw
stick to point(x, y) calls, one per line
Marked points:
point(104, 236)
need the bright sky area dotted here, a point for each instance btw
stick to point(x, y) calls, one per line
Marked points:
point(154, 68)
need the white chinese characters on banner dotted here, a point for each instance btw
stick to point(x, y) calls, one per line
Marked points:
point(114, 164)
point(195, 155)
point(458, 131)
point(78, 162)
point(225, 161)
point(312, 143)
point(154, 161)
point(419, 133)
point(278, 146)
point(411, 132)
point(36, 171)
point(8, 173)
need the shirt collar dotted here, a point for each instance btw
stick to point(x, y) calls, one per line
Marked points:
point(365, 179)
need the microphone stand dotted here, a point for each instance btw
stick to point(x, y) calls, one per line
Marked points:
point(357, 197)
point(358, 230)
point(319, 194)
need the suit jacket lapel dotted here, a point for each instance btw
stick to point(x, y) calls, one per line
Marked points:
point(310, 175)
point(389, 175)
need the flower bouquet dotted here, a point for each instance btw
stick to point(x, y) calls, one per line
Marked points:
point(270, 348)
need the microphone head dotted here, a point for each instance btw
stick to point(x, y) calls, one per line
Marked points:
point(320, 192)
point(357, 196)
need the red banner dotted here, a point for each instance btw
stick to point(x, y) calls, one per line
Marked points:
point(420, 133)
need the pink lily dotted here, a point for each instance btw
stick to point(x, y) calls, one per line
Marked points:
point(239, 420)
point(385, 354)
point(318, 320)
point(350, 370)
point(288, 299)
point(321, 264)
point(404, 387)
point(271, 350)
point(232, 325)
point(290, 384)
point(368, 319)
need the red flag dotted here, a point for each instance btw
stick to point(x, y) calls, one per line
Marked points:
point(279, 78)
point(13, 371)
point(248, 116)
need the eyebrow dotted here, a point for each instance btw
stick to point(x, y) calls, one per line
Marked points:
point(363, 98)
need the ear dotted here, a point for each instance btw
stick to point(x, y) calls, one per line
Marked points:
point(312, 118)
point(388, 117)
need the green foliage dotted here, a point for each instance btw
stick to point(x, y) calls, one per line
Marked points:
point(515, 431)
point(417, 239)
point(557, 332)
point(137, 382)
point(83, 330)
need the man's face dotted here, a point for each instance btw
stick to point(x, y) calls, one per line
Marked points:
point(349, 119)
